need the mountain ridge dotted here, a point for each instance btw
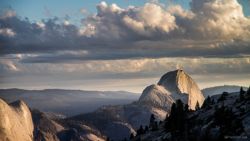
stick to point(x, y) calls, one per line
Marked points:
point(210, 91)
point(67, 102)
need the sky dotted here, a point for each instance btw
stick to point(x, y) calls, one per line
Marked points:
point(122, 45)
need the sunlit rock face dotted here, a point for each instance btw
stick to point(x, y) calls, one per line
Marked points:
point(172, 86)
point(15, 122)
point(156, 95)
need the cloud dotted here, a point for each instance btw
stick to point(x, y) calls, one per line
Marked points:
point(211, 28)
point(207, 19)
point(8, 66)
point(220, 19)
point(7, 32)
point(130, 68)
point(149, 20)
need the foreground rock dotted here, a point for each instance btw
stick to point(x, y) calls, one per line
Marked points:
point(18, 123)
point(15, 122)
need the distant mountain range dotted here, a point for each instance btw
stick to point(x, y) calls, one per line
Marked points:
point(67, 102)
point(220, 89)
point(111, 121)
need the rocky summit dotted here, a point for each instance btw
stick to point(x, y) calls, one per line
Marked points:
point(172, 86)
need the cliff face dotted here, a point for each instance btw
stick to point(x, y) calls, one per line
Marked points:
point(15, 122)
point(172, 86)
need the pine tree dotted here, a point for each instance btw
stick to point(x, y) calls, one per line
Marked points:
point(228, 122)
point(197, 106)
point(212, 101)
point(169, 121)
point(176, 124)
point(146, 129)
point(180, 115)
point(223, 96)
point(160, 122)
point(131, 136)
point(248, 91)
point(242, 92)
point(140, 131)
point(186, 108)
point(155, 126)
point(207, 102)
point(208, 99)
point(247, 94)
point(151, 121)
point(176, 120)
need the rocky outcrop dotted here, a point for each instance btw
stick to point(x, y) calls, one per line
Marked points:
point(45, 128)
point(172, 86)
point(15, 122)
point(48, 128)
